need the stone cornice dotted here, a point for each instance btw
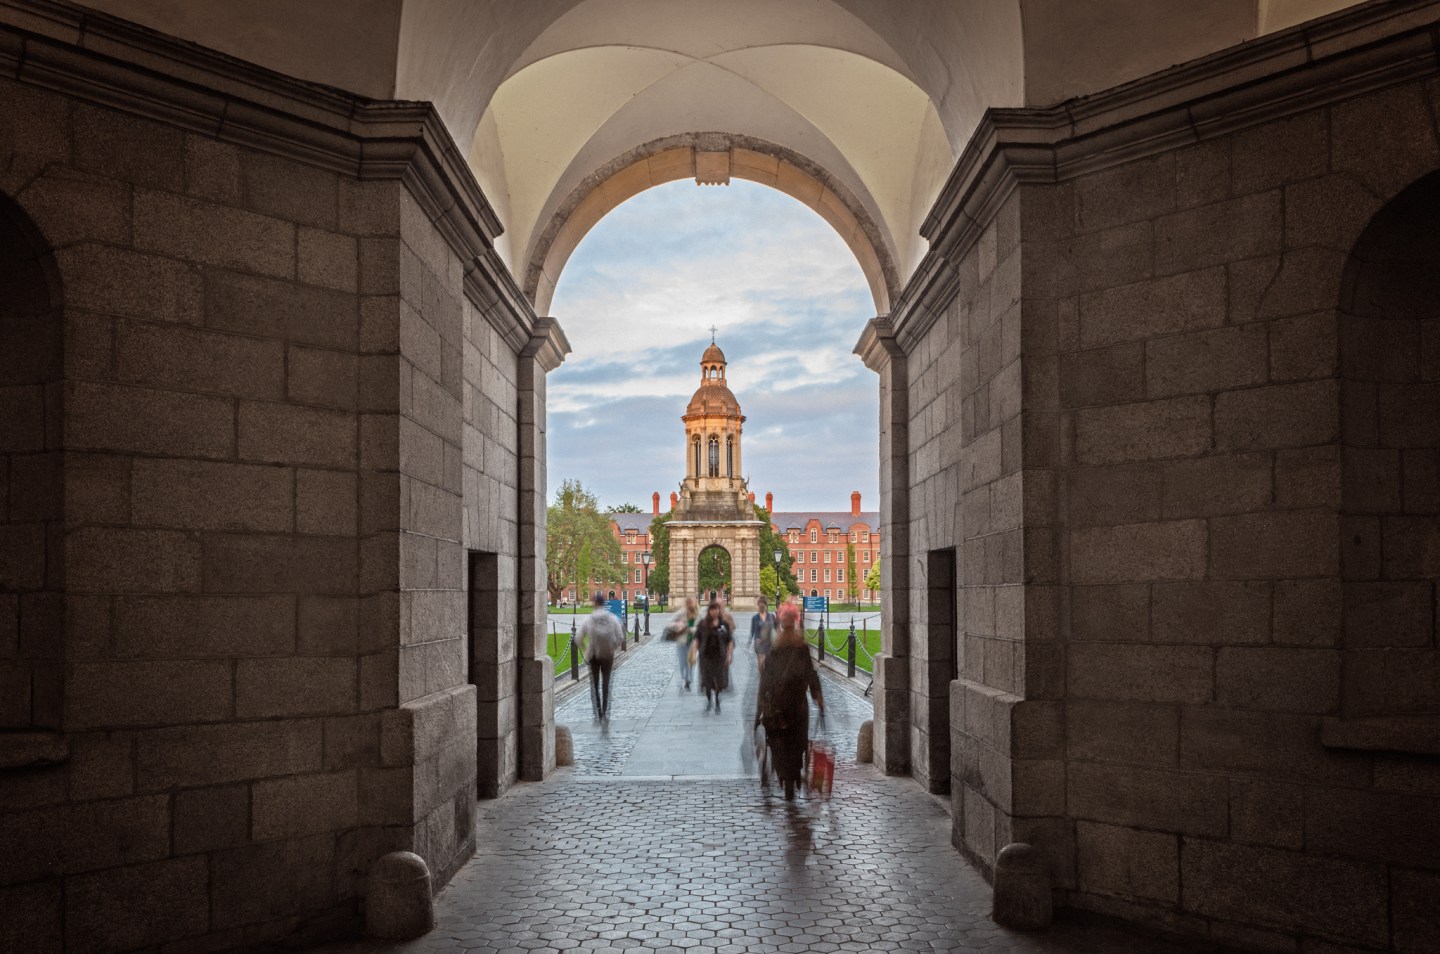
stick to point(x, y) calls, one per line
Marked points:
point(877, 345)
point(548, 345)
point(1366, 48)
point(111, 62)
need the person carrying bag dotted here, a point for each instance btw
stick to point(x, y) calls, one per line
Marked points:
point(783, 709)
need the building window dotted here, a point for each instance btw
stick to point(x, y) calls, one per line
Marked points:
point(854, 537)
point(637, 576)
point(840, 575)
point(729, 457)
point(814, 576)
point(827, 556)
point(697, 457)
point(833, 536)
point(714, 457)
point(867, 556)
point(812, 536)
point(865, 536)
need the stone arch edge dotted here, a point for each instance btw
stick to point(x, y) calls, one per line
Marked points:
point(553, 246)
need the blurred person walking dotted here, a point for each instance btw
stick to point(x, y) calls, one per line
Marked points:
point(715, 642)
point(782, 708)
point(762, 632)
point(682, 631)
point(603, 636)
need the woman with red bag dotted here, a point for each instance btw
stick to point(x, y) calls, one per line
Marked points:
point(783, 710)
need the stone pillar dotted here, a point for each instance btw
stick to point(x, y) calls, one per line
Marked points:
point(882, 354)
point(745, 570)
point(683, 571)
point(542, 354)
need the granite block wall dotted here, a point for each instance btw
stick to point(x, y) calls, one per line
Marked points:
point(1186, 402)
point(258, 409)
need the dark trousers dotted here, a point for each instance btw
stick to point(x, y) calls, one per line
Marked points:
point(600, 685)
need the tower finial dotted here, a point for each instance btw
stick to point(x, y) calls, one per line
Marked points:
point(712, 334)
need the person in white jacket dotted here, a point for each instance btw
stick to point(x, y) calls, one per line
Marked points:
point(602, 636)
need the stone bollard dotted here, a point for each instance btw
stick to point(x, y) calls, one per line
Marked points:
point(865, 745)
point(564, 745)
point(1022, 888)
point(398, 905)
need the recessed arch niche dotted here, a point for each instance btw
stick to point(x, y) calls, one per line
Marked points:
point(1389, 328)
point(32, 612)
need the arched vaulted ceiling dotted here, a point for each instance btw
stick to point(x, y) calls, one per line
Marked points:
point(879, 94)
point(607, 76)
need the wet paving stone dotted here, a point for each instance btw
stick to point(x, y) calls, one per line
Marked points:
point(591, 860)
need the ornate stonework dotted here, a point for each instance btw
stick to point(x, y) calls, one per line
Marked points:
point(714, 508)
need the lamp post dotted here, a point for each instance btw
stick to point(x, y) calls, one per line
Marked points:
point(645, 562)
point(777, 579)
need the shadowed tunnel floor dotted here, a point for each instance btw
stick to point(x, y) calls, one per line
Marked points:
point(660, 839)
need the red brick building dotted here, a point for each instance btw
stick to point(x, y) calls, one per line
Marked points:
point(816, 538)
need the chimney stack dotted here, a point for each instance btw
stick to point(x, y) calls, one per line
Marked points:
point(674, 499)
point(854, 503)
point(770, 502)
point(655, 503)
point(752, 496)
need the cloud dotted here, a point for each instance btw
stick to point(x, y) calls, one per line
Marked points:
point(636, 301)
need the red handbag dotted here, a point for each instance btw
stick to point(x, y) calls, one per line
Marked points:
point(820, 767)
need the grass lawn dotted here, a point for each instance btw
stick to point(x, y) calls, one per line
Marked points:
point(837, 644)
point(558, 647)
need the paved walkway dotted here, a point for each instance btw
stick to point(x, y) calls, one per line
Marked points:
point(658, 730)
point(659, 840)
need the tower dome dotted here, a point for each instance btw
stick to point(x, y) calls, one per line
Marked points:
point(713, 397)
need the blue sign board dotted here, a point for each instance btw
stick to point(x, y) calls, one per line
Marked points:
point(817, 604)
point(617, 607)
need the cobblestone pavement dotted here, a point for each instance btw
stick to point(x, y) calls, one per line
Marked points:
point(591, 860)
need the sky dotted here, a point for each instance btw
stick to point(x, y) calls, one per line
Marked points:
point(637, 299)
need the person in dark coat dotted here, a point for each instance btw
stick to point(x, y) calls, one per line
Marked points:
point(715, 646)
point(783, 710)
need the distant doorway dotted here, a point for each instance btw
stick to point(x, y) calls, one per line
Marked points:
point(942, 654)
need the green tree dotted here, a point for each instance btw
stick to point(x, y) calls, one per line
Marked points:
point(714, 569)
point(872, 578)
point(623, 508)
point(660, 554)
point(583, 565)
point(767, 585)
point(579, 545)
point(852, 579)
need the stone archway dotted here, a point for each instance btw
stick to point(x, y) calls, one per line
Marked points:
point(739, 538)
point(711, 158)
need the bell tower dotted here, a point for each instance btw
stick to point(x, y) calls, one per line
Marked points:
point(713, 425)
point(714, 508)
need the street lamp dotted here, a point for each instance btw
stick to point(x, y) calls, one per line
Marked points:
point(645, 562)
point(777, 579)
